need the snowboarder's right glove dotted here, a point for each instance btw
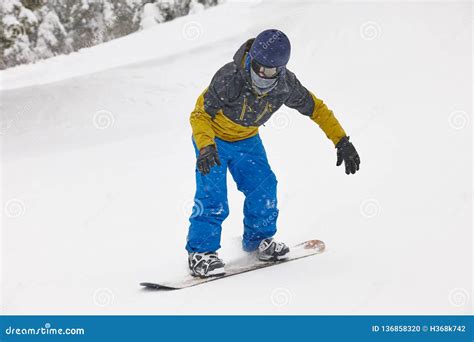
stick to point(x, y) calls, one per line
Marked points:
point(346, 152)
point(208, 157)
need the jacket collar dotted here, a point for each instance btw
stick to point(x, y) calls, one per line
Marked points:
point(239, 60)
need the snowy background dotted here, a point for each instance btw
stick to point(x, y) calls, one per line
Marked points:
point(31, 30)
point(98, 166)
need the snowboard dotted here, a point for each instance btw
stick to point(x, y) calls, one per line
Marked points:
point(247, 264)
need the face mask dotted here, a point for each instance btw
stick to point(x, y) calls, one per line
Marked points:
point(262, 85)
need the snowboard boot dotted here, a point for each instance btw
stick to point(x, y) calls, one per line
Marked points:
point(269, 250)
point(206, 264)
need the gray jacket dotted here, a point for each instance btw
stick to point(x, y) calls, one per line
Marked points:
point(231, 91)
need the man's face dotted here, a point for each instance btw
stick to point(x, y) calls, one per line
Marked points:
point(264, 78)
point(263, 71)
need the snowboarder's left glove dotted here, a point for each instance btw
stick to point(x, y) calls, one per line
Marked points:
point(346, 152)
point(208, 157)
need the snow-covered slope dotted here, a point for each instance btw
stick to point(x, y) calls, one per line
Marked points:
point(98, 178)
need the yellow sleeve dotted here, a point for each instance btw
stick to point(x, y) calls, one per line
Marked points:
point(326, 120)
point(201, 124)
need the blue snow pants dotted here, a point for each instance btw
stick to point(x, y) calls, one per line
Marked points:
point(247, 162)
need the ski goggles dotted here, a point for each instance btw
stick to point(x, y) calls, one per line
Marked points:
point(264, 71)
point(262, 84)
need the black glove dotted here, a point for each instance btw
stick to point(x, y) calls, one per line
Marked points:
point(208, 157)
point(346, 152)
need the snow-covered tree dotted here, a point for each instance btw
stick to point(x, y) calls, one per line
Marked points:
point(88, 25)
point(36, 29)
point(123, 20)
point(17, 27)
point(52, 36)
point(195, 7)
point(151, 16)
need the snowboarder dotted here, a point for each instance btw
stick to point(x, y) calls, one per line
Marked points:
point(243, 95)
